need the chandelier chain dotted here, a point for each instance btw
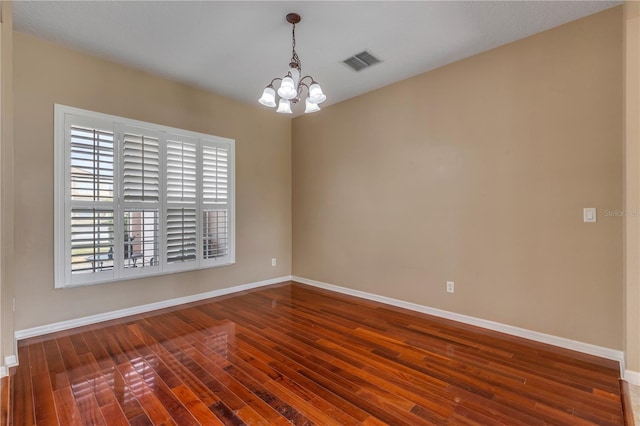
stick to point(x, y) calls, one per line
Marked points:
point(294, 55)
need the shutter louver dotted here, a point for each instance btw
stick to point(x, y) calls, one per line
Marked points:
point(141, 168)
point(91, 153)
point(181, 171)
point(181, 235)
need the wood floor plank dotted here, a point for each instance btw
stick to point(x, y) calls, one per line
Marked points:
point(57, 371)
point(113, 415)
point(68, 412)
point(22, 412)
point(5, 384)
point(154, 409)
point(44, 407)
point(293, 354)
point(90, 411)
point(200, 411)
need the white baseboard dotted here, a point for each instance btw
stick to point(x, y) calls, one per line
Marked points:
point(9, 362)
point(92, 319)
point(491, 325)
point(632, 377)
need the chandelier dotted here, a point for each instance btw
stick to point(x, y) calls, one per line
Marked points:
point(292, 86)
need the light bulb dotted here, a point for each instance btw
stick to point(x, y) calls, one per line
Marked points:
point(287, 89)
point(315, 94)
point(310, 106)
point(284, 107)
point(268, 97)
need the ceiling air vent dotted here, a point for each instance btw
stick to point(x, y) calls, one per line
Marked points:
point(361, 61)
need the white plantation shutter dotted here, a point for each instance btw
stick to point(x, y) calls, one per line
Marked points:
point(141, 168)
point(90, 229)
point(135, 199)
point(215, 202)
point(181, 171)
point(215, 174)
point(141, 196)
point(181, 195)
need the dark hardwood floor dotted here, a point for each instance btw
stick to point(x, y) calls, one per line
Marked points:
point(294, 354)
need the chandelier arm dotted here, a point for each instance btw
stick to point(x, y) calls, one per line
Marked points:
point(300, 86)
point(309, 77)
point(272, 81)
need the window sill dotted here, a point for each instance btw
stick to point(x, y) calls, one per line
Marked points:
point(142, 275)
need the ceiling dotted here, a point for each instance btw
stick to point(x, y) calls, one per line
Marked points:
point(235, 48)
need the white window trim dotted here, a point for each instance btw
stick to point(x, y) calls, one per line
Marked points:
point(62, 198)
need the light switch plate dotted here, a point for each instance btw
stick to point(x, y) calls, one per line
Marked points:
point(589, 214)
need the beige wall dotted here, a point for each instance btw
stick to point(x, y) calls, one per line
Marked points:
point(7, 278)
point(477, 172)
point(46, 73)
point(632, 183)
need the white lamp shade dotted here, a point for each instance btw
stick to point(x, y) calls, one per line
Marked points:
point(287, 89)
point(284, 107)
point(315, 94)
point(310, 106)
point(268, 97)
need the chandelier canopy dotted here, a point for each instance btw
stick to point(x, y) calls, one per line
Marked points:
point(292, 87)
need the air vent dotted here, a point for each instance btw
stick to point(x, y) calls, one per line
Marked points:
point(361, 61)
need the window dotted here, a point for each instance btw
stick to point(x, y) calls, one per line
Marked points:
point(135, 199)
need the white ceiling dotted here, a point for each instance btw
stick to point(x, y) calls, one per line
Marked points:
point(235, 48)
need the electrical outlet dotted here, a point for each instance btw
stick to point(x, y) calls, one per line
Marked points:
point(450, 287)
point(274, 262)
